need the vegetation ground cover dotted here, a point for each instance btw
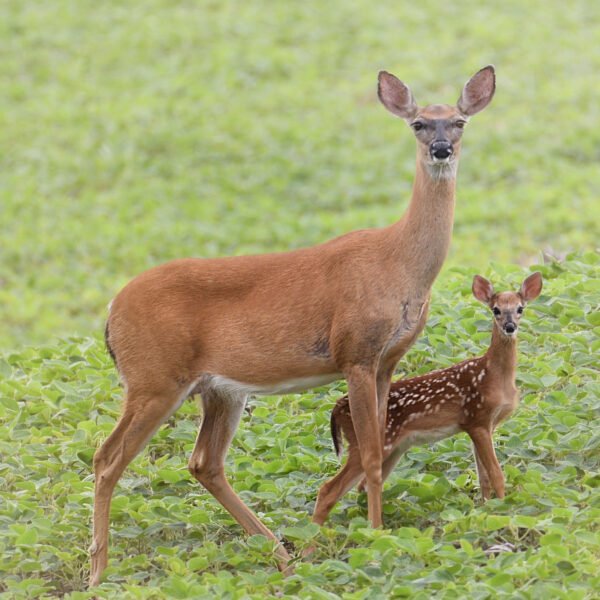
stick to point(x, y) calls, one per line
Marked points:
point(171, 539)
point(134, 134)
point(131, 134)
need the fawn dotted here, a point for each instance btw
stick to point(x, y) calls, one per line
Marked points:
point(475, 396)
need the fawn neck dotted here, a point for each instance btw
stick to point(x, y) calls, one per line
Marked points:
point(425, 229)
point(502, 355)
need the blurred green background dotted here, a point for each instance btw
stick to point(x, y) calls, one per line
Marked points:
point(135, 133)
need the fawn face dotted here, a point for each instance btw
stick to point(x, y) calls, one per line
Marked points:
point(507, 307)
point(438, 127)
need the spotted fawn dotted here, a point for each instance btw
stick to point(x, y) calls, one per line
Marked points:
point(474, 396)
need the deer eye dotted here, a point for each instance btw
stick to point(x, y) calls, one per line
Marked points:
point(496, 311)
point(417, 125)
point(520, 310)
point(460, 124)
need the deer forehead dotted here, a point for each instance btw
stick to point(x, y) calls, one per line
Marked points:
point(438, 111)
point(508, 300)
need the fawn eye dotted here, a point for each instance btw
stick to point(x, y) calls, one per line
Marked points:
point(520, 310)
point(417, 125)
point(496, 311)
point(460, 124)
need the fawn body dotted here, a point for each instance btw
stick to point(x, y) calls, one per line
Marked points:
point(226, 328)
point(474, 396)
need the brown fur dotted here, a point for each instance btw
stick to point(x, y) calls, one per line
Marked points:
point(227, 327)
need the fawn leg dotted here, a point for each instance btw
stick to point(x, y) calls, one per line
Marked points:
point(484, 447)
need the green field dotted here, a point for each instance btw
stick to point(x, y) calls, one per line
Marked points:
point(135, 133)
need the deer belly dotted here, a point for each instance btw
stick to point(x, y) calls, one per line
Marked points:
point(290, 386)
point(429, 436)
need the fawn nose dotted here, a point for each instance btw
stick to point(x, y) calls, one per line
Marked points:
point(510, 328)
point(441, 150)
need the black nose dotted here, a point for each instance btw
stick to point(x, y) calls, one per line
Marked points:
point(510, 328)
point(441, 149)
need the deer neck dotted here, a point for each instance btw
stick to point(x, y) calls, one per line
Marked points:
point(421, 238)
point(502, 355)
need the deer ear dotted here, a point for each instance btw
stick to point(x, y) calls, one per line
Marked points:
point(396, 96)
point(531, 287)
point(483, 290)
point(478, 92)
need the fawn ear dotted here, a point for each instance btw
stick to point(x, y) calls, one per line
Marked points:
point(531, 287)
point(478, 92)
point(396, 96)
point(483, 290)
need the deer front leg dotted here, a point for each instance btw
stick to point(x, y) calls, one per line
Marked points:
point(384, 378)
point(484, 448)
point(482, 474)
point(362, 395)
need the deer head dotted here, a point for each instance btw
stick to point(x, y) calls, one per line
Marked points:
point(438, 128)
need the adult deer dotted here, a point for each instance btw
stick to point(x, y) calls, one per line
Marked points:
point(226, 328)
point(475, 396)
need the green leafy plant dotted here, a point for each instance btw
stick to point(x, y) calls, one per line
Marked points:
point(169, 537)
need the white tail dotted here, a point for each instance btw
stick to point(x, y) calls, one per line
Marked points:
point(473, 396)
point(229, 327)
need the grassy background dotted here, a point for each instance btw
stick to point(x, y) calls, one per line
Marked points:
point(134, 134)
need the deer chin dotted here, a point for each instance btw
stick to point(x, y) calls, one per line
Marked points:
point(442, 168)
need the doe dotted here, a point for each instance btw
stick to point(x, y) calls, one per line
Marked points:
point(475, 396)
point(227, 328)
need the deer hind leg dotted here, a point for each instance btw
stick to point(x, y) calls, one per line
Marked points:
point(389, 463)
point(333, 489)
point(221, 415)
point(143, 414)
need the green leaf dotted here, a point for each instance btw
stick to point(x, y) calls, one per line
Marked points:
point(495, 522)
point(550, 539)
point(451, 514)
point(524, 521)
point(384, 543)
point(171, 475)
point(360, 556)
point(28, 538)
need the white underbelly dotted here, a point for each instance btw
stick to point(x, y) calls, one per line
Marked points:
point(289, 386)
point(429, 436)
